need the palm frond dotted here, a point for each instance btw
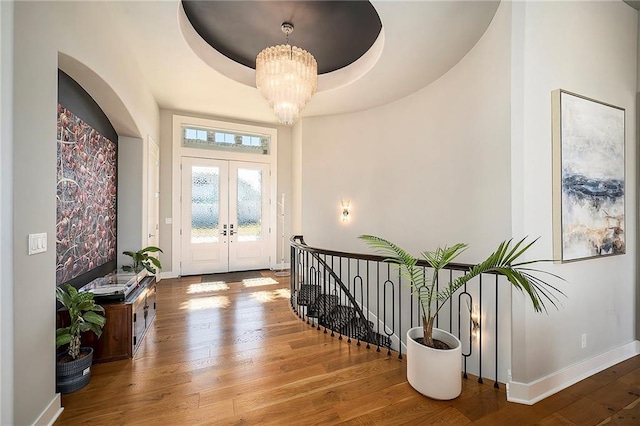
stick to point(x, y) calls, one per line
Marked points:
point(399, 256)
point(406, 263)
point(388, 249)
point(501, 262)
point(442, 256)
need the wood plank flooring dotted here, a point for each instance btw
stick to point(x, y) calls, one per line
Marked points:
point(233, 353)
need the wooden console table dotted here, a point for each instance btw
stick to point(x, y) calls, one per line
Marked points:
point(127, 323)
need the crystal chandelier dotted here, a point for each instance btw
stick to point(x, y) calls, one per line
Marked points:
point(287, 76)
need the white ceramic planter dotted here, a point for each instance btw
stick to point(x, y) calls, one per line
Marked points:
point(435, 373)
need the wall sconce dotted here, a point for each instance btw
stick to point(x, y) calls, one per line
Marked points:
point(345, 211)
point(475, 322)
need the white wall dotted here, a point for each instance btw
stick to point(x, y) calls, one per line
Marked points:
point(166, 180)
point(430, 169)
point(637, 121)
point(296, 177)
point(6, 215)
point(588, 48)
point(81, 30)
point(131, 180)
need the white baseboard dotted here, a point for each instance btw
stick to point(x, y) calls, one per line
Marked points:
point(280, 266)
point(51, 413)
point(530, 393)
point(166, 275)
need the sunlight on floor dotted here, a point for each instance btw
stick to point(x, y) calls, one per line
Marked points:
point(258, 282)
point(212, 302)
point(270, 296)
point(207, 287)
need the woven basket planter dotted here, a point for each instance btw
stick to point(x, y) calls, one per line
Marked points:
point(73, 375)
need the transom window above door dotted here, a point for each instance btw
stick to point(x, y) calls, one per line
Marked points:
point(223, 140)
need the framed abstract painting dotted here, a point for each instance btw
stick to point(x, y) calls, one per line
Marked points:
point(589, 177)
point(86, 230)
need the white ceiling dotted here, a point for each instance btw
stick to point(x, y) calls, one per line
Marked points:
point(422, 41)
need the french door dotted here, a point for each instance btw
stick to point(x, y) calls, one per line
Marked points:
point(225, 216)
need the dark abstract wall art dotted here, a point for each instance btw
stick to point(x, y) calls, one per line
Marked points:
point(589, 177)
point(86, 197)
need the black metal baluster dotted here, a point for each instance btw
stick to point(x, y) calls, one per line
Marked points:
point(330, 292)
point(399, 318)
point(357, 278)
point(384, 308)
point(335, 312)
point(451, 303)
point(495, 382)
point(368, 310)
point(347, 325)
point(378, 304)
point(465, 356)
point(479, 330)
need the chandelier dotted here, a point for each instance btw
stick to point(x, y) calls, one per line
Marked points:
point(287, 76)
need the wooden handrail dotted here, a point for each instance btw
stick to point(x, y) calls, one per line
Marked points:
point(297, 241)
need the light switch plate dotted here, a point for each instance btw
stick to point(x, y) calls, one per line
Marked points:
point(37, 243)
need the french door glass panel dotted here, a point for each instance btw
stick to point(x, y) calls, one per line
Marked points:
point(249, 201)
point(205, 204)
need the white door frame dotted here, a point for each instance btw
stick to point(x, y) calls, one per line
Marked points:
point(228, 251)
point(179, 151)
point(152, 234)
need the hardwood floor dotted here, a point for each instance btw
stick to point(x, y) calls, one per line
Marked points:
point(234, 353)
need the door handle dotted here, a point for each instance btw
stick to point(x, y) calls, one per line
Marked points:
point(224, 230)
point(232, 231)
point(151, 235)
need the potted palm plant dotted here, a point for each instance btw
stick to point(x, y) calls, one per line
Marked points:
point(142, 259)
point(73, 369)
point(434, 358)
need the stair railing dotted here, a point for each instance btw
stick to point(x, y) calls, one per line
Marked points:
point(328, 286)
point(345, 291)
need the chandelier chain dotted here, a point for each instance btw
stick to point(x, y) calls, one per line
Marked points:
point(287, 29)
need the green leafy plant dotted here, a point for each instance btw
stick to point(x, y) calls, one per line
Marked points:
point(84, 316)
point(142, 259)
point(504, 261)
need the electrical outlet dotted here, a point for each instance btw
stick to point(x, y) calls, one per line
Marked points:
point(584, 341)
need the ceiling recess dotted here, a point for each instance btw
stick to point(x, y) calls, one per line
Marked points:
point(336, 33)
